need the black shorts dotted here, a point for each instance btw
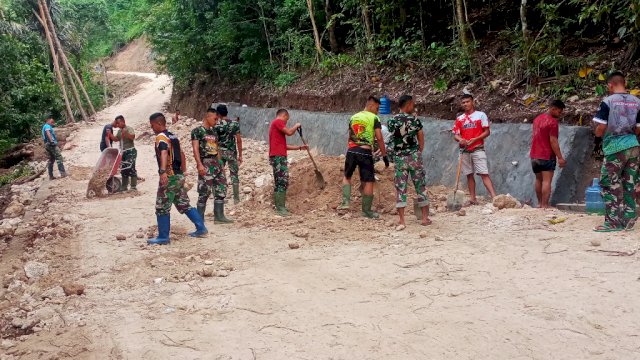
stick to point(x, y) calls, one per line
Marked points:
point(363, 159)
point(539, 165)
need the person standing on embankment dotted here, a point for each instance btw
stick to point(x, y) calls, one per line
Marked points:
point(618, 124)
point(545, 151)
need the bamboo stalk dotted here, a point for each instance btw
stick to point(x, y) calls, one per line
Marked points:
point(56, 68)
point(65, 60)
point(316, 36)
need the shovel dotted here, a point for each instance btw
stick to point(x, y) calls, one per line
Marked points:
point(454, 204)
point(320, 183)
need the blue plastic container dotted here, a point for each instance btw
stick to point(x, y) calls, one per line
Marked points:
point(593, 198)
point(385, 105)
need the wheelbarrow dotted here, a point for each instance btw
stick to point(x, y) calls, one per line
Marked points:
point(104, 175)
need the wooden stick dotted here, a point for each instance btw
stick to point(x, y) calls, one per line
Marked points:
point(56, 66)
point(65, 60)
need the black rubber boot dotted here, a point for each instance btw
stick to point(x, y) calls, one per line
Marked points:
point(236, 193)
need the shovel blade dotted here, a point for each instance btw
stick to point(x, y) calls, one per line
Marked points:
point(456, 200)
point(320, 183)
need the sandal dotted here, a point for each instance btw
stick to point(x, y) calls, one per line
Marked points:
point(606, 228)
point(470, 203)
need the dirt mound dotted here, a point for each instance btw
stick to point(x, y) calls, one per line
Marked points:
point(136, 56)
point(304, 197)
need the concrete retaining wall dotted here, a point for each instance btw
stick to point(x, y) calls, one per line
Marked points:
point(507, 144)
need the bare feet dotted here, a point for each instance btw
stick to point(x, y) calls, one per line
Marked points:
point(426, 222)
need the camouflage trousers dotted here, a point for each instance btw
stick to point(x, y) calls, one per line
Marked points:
point(54, 157)
point(410, 166)
point(619, 176)
point(212, 181)
point(173, 193)
point(230, 158)
point(128, 163)
point(280, 172)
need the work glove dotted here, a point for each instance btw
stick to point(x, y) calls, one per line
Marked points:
point(386, 161)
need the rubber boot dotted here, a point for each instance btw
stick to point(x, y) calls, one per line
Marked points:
point(198, 221)
point(346, 198)
point(236, 193)
point(280, 199)
point(125, 184)
point(367, 203)
point(63, 173)
point(417, 210)
point(218, 213)
point(201, 210)
point(134, 183)
point(164, 226)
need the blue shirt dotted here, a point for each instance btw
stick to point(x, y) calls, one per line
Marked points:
point(49, 128)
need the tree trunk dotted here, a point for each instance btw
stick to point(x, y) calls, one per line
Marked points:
point(266, 32)
point(316, 35)
point(333, 41)
point(106, 85)
point(523, 21)
point(56, 67)
point(462, 24)
point(367, 21)
point(67, 64)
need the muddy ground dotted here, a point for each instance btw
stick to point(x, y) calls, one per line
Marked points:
point(493, 284)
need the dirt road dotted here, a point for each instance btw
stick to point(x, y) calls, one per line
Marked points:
point(505, 285)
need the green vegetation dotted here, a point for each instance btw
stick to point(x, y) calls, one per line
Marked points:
point(272, 41)
point(18, 172)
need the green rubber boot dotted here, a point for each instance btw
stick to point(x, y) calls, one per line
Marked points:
point(125, 184)
point(218, 213)
point(367, 203)
point(346, 198)
point(201, 210)
point(134, 183)
point(417, 210)
point(236, 193)
point(280, 199)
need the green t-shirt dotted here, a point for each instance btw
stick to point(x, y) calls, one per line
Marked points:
point(126, 143)
point(362, 129)
point(227, 130)
point(404, 129)
point(207, 141)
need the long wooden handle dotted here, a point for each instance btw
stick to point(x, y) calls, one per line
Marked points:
point(308, 151)
point(459, 170)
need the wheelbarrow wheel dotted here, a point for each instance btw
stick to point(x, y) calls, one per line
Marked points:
point(113, 185)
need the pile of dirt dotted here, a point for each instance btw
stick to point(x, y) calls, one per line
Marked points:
point(305, 197)
point(136, 56)
point(122, 86)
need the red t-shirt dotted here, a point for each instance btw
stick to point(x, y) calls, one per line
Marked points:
point(544, 127)
point(469, 126)
point(277, 139)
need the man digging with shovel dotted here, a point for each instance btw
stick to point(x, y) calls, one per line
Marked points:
point(278, 147)
point(407, 141)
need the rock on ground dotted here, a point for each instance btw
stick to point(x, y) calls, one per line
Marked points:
point(505, 202)
point(14, 210)
point(34, 269)
point(73, 289)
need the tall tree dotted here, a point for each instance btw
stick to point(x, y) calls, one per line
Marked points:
point(316, 35)
point(331, 27)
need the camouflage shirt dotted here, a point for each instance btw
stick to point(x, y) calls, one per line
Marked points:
point(404, 130)
point(207, 141)
point(227, 130)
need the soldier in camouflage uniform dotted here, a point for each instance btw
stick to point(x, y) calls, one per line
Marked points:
point(204, 140)
point(171, 190)
point(407, 139)
point(230, 143)
point(618, 123)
